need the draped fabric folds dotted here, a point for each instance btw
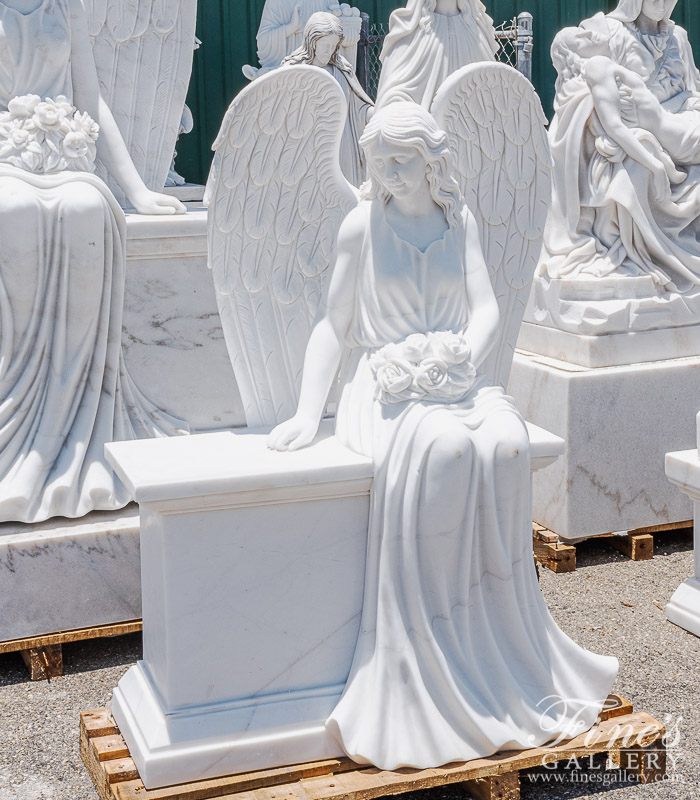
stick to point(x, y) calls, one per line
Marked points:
point(457, 656)
point(423, 47)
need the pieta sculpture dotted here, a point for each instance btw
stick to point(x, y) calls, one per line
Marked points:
point(323, 37)
point(626, 145)
point(64, 391)
point(429, 40)
point(457, 655)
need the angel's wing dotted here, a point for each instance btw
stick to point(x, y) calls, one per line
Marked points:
point(496, 127)
point(276, 199)
point(143, 53)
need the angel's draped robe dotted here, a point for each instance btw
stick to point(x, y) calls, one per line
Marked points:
point(457, 656)
point(64, 390)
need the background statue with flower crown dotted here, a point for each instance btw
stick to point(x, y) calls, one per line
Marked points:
point(64, 388)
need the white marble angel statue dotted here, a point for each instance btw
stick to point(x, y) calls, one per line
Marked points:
point(626, 145)
point(323, 37)
point(282, 25)
point(143, 53)
point(410, 319)
point(64, 391)
point(429, 40)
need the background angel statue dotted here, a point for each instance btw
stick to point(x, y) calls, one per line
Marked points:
point(451, 597)
point(282, 25)
point(323, 37)
point(427, 41)
point(143, 52)
point(64, 391)
point(626, 144)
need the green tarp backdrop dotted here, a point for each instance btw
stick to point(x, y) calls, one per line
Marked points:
point(227, 29)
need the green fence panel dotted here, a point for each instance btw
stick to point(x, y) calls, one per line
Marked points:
point(227, 29)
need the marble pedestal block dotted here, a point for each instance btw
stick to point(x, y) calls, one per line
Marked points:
point(683, 470)
point(253, 559)
point(67, 574)
point(618, 423)
point(173, 341)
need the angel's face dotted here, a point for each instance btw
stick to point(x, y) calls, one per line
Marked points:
point(324, 49)
point(400, 168)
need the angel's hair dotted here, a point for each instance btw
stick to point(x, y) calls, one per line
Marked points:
point(565, 52)
point(320, 24)
point(405, 123)
point(629, 10)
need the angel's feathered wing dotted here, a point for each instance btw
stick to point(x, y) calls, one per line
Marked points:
point(276, 200)
point(496, 127)
point(143, 53)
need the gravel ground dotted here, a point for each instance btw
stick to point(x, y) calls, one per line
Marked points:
point(610, 605)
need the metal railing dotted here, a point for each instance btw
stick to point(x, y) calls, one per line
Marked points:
point(514, 37)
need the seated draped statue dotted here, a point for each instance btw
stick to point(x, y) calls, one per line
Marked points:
point(626, 145)
point(458, 656)
point(323, 37)
point(429, 40)
point(282, 26)
point(64, 391)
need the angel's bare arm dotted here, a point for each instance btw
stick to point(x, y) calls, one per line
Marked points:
point(110, 145)
point(325, 347)
point(482, 330)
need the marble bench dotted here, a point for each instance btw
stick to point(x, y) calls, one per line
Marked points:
point(252, 579)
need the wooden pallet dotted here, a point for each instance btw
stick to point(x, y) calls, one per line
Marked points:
point(633, 741)
point(560, 556)
point(44, 654)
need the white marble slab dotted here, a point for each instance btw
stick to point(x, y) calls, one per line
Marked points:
point(67, 574)
point(618, 423)
point(683, 470)
point(172, 338)
point(610, 350)
point(253, 559)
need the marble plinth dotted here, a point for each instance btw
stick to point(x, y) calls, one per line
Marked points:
point(614, 304)
point(683, 470)
point(66, 574)
point(253, 559)
point(613, 349)
point(618, 423)
point(173, 342)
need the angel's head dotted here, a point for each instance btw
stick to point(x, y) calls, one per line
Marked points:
point(405, 148)
point(323, 36)
point(655, 10)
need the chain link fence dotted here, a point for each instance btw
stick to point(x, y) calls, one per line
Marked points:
point(514, 38)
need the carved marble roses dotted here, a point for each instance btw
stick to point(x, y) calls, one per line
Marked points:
point(431, 366)
point(48, 135)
